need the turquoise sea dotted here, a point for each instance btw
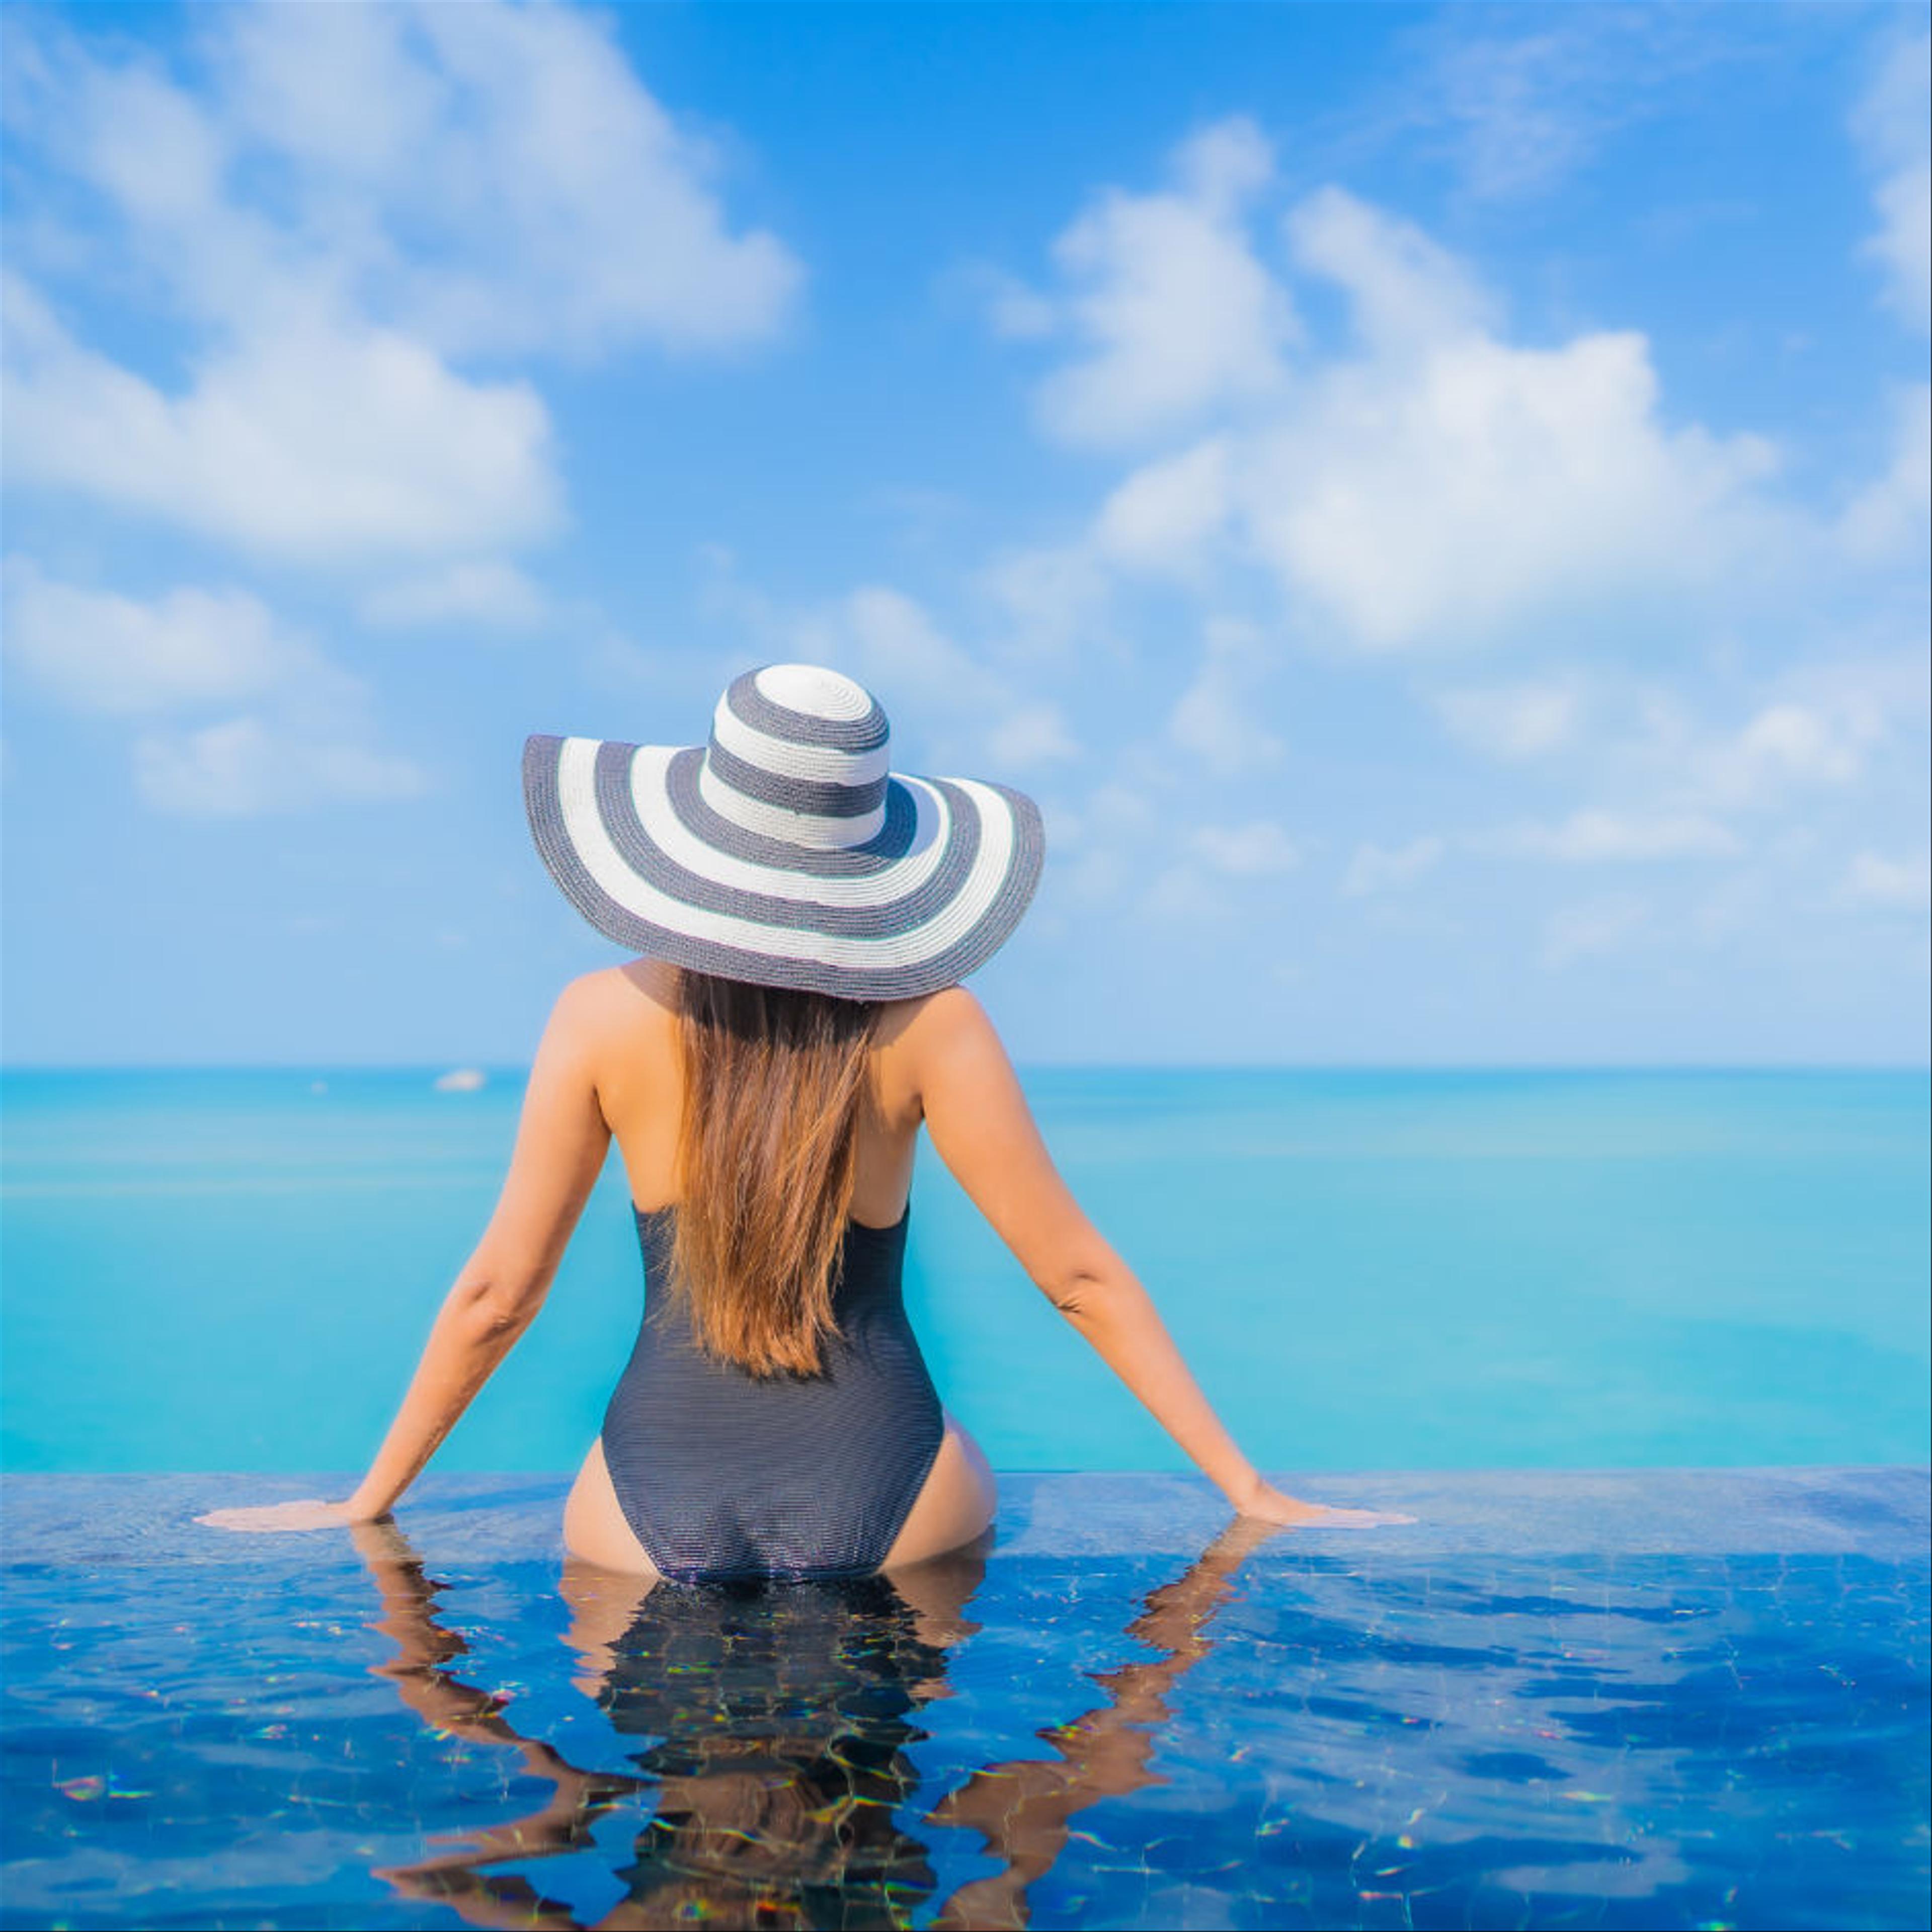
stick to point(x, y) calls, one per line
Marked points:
point(233, 1269)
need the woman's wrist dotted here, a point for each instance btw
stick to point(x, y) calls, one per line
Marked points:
point(1242, 1488)
point(363, 1505)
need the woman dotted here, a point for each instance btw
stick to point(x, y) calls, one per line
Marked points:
point(804, 916)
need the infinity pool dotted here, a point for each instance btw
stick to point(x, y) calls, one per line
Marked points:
point(1661, 1699)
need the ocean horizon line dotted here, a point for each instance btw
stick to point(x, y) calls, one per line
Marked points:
point(503, 1067)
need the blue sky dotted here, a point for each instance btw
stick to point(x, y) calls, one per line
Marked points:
point(1433, 502)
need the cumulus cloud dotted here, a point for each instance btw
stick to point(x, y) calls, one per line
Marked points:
point(480, 591)
point(1597, 837)
point(1512, 721)
point(244, 766)
point(1889, 514)
point(1447, 496)
point(1434, 483)
point(320, 444)
point(1405, 291)
point(1171, 312)
point(1375, 869)
point(1906, 883)
point(345, 203)
point(1033, 734)
point(574, 212)
point(1161, 517)
point(1216, 717)
point(1593, 927)
point(304, 734)
point(1248, 850)
point(1893, 125)
point(490, 178)
point(1050, 597)
point(116, 656)
point(1822, 734)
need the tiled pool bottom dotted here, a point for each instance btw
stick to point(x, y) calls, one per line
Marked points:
point(1691, 1699)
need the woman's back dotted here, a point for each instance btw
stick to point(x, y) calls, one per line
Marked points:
point(719, 1471)
point(633, 1037)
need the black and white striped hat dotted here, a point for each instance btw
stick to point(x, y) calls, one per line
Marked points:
point(785, 851)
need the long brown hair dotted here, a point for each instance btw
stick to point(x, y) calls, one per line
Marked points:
point(775, 1082)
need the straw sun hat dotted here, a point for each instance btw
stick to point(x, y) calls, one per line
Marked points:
point(785, 851)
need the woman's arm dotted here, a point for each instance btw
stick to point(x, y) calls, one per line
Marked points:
point(562, 1140)
point(984, 1131)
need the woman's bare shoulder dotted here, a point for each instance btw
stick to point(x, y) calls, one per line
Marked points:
point(619, 1003)
point(915, 1034)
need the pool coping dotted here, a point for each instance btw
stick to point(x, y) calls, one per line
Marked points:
point(1883, 1512)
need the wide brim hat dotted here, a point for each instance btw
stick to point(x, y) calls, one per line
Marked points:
point(785, 851)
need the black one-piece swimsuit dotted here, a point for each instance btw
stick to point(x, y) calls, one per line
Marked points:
point(723, 1474)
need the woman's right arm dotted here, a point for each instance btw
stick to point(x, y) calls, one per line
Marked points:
point(983, 1129)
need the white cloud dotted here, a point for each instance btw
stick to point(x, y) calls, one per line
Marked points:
point(1248, 850)
point(1173, 313)
point(1822, 738)
point(1015, 312)
point(1405, 290)
point(1890, 513)
point(1375, 868)
point(1595, 926)
point(1833, 723)
point(305, 736)
point(1596, 838)
point(1051, 597)
point(1792, 738)
point(245, 766)
point(1182, 893)
point(1512, 721)
point(1161, 516)
point(488, 178)
point(1891, 882)
point(317, 444)
point(1520, 100)
point(1440, 484)
point(1102, 849)
point(96, 651)
point(1034, 734)
point(966, 708)
point(480, 591)
point(1522, 107)
point(351, 199)
point(1893, 124)
point(1459, 490)
point(898, 647)
point(1216, 718)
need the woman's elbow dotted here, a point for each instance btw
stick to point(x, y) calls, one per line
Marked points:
point(1085, 1290)
point(489, 1309)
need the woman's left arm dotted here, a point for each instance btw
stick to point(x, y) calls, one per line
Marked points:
point(562, 1140)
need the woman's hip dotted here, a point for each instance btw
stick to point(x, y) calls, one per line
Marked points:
point(954, 1504)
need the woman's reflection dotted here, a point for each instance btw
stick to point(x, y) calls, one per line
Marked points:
point(773, 1721)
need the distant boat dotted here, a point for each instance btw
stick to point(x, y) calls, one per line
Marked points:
point(459, 1080)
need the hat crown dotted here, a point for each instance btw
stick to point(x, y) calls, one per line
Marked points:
point(800, 753)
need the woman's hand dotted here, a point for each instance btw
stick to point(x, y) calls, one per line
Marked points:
point(309, 1514)
point(1272, 1505)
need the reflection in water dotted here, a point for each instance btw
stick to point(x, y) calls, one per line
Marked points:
point(773, 1721)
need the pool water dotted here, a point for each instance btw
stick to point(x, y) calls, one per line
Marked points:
point(1660, 1699)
